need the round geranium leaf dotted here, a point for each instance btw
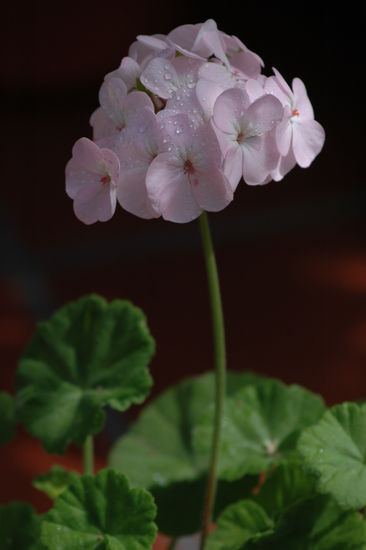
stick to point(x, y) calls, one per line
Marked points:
point(7, 418)
point(158, 454)
point(91, 353)
point(335, 450)
point(54, 482)
point(19, 527)
point(237, 524)
point(262, 424)
point(158, 448)
point(101, 513)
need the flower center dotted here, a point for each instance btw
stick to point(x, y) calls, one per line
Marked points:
point(295, 112)
point(241, 137)
point(190, 171)
point(188, 167)
point(105, 179)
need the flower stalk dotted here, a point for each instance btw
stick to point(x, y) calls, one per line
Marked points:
point(220, 371)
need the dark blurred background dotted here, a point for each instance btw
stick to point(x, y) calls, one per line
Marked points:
point(291, 255)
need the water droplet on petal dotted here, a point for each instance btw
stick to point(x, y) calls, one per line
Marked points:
point(167, 76)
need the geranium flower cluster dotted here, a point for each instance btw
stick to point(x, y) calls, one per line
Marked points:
point(181, 121)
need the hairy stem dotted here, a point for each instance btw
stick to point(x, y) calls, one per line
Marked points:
point(220, 372)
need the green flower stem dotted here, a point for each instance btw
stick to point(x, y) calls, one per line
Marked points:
point(220, 370)
point(88, 456)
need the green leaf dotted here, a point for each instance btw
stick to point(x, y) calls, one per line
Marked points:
point(335, 449)
point(286, 485)
point(89, 354)
point(315, 524)
point(261, 426)
point(19, 527)
point(101, 513)
point(158, 449)
point(54, 482)
point(7, 418)
point(157, 453)
point(238, 523)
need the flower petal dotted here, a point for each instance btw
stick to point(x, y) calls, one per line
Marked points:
point(302, 102)
point(308, 139)
point(284, 136)
point(112, 96)
point(95, 202)
point(233, 165)
point(169, 190)
point(255, 161)
point(263, 114)
point(213, 191)
point(285, 164)
point(229, 110)
point(160, 77)
point(132, 194)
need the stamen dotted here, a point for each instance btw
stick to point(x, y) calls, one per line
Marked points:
point(295, 112)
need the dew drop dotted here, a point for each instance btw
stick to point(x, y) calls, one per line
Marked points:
point(167, 76)
point(179, 130)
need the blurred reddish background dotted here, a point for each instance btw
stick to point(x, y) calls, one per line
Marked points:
point(291, 255)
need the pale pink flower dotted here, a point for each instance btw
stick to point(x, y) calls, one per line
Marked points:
point(187, 178)
point(129, 71)
point(140, 144)
point(147, 47)
point(117, 107)
point(164, 77)
point(245, 127)
point(298, 136)
point(181, 120)
point(203, 40)
point(92, 177)
point(243, 60)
